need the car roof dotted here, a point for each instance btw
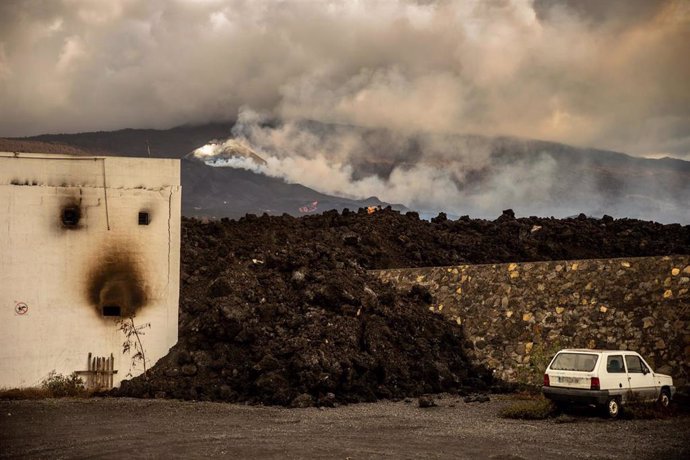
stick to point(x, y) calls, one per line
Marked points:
point(590, 350)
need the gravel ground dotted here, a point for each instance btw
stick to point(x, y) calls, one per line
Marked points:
point(123, 428)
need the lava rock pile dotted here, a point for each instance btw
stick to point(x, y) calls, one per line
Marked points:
point(280, 310)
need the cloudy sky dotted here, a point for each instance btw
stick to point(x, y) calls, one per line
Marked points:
point(609, 74)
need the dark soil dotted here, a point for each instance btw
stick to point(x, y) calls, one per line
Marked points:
point(280, 310)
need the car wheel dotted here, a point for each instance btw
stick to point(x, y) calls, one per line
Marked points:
point(664, 398)
point(613, 408)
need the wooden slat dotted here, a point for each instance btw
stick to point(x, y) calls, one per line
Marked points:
point(100, 372)
point(112, 368)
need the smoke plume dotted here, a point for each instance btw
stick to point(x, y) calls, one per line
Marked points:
point(456, 174)
point(610, 74)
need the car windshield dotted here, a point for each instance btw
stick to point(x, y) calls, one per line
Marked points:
point(583, 362)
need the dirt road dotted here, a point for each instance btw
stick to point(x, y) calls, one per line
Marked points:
point(123, 428)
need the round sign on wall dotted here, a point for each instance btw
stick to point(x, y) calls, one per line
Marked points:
point(21, 308)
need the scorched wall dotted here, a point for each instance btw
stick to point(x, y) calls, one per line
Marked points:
point(85, 243)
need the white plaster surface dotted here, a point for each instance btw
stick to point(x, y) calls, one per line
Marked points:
point(46, 266)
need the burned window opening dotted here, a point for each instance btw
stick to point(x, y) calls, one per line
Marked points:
point(143, 218)
point(116, 280)
point(112, 310)
point(71, 216)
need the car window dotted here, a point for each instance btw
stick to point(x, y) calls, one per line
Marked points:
point(614, 364)
point(634, 364)
point(583, 362)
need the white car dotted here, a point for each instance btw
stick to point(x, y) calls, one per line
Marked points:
point(605, 378)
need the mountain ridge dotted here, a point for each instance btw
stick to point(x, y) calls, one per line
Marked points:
point(587, 180)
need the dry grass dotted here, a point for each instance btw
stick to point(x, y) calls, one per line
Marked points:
point(54, 386)
point(24, 393)
point(529, 407)
point(647, 411)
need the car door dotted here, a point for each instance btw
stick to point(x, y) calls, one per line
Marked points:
point(640, 379)
point(615, 379)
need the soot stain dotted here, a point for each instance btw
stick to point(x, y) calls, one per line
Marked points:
point(71, 213)
point(115, 282)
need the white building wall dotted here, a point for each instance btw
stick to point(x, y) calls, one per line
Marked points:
point(55, 279)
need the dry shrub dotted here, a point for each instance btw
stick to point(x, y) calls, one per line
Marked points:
point(59, 386)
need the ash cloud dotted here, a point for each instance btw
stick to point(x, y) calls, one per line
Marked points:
point(608, 74)
point(456, 174)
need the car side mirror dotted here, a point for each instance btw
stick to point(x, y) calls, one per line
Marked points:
point(645, 371)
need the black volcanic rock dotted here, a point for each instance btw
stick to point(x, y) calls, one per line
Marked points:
point(280, 310)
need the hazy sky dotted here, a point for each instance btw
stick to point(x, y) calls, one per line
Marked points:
point(610, 74)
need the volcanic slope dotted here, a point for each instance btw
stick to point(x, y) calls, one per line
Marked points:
point(281, 310)
point(534, 177)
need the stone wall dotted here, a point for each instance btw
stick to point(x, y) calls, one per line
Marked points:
point(516, 316)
